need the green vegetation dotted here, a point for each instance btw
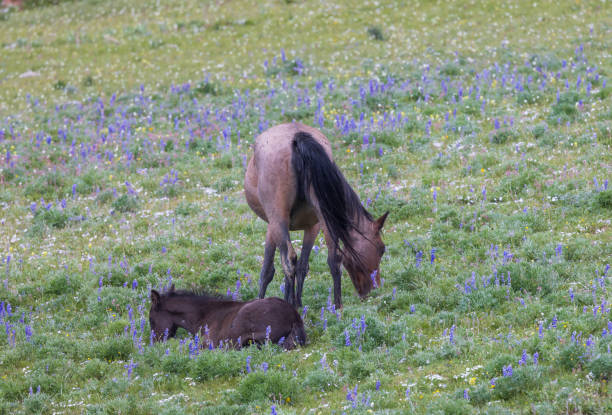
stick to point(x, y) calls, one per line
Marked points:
point(485, 129)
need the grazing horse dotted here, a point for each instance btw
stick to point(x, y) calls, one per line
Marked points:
point(292, 183)
point(220, 321)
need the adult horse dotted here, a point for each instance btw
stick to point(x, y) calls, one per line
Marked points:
point(292, 183)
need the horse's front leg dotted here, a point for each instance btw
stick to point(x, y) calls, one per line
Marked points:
point(267, 269)
point(334, 261)
point(302, 266)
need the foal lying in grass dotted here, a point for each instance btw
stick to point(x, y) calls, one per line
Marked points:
point(221, 321)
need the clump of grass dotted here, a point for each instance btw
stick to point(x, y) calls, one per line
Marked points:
point(376, 33)
point(565, 106)
point(116, 348)
point(523, 380)
point(604, 199)
point(274, 386)
point(95, 369)
point(53, 217)
point(503, 135)
point(37, 403)
point(450, 69)
point(126, 203)
point(601, 367)
point(528, 97)
point(571, 356)
point(321, 380)
point(175, 363)
point(104, 197)
point(212, 364)
point(450, 405)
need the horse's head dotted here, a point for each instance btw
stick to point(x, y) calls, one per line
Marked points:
point(369, 249)
point(160, 319)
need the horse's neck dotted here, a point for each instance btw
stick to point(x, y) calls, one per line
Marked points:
point(362, 224)
point(194, 317)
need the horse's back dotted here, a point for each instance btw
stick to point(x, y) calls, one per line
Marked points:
point(270, 183)
point(277, 141)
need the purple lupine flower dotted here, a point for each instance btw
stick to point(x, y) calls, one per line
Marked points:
point(536, 355)
point(304, 311)
point(571, 294)
point(419, 258)
point(264, 367)
point(466, 395)
point(377, 384)
point(432, 256)
point(273, 410)
point(540, 330)
point(347, 338)
point(523, 358)
point(452, 335)
point(554, 322)
point(373, 278)
point(362, 325)
point(130, 367)
point(248, 364)
point(268, 331)
point(412, 308)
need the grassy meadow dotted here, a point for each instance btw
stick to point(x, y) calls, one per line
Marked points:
point(484, 127)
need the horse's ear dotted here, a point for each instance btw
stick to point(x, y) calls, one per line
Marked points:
point(155, 298)
point(381, 221)
point(172, 288)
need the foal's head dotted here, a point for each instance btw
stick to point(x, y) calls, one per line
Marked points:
point(369, 249)
point(160, 319)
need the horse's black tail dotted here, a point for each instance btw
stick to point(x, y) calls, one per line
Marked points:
point(338, 203)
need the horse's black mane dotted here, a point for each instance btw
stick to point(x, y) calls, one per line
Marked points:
point(196, 295)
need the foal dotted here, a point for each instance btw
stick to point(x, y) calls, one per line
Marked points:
point(220, 321)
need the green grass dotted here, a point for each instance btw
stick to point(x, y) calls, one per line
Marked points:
point(124, 132)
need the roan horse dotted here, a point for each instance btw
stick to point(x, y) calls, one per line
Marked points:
point(292, 183)
point(223, 322)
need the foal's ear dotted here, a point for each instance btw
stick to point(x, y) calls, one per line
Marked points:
point(155, 298)
point(381, 221)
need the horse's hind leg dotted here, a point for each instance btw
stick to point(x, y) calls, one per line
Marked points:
point(302, 266)
point(289, 262)
point(267, 269)
point(278, 236)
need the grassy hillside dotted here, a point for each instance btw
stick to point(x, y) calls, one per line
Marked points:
point(485, 129)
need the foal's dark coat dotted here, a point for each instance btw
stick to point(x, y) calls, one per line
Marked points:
point(223, 321)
